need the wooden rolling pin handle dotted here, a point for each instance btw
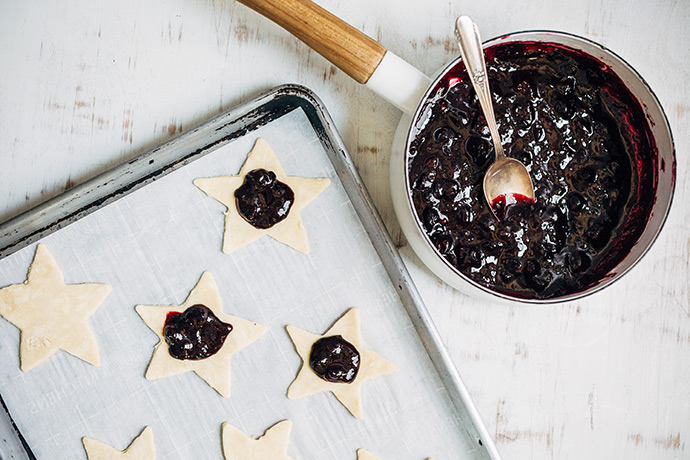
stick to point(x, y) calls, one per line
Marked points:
point(353, 52)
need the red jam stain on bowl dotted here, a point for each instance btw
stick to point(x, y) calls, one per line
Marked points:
point(587, 145)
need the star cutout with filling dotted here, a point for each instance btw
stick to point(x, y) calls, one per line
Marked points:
point(272, 445)
point(238, 232)
point(142, 448)
point(366, 455)
point(349, 394)
point(215, 369)
point(52, 315)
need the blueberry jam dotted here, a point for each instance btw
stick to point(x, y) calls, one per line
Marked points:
point(262, 200)
point(334, 359)
point(588, 148)
point(194, 334)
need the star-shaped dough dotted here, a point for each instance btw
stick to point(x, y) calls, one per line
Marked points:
point(239, 232)
point(371, 364)
point(272, 445)
point(215, 369)
point(142, 448)
point(366, 455)
point(52, 315)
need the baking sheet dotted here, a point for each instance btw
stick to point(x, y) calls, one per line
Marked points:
point(152, 246)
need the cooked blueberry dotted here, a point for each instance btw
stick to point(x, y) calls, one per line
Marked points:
point(587, 175)
point(598, 235)
point(565, 107)
point(578, 261)
point(538, 132)
point(478, 150)
point(432, 217)
point(432, 162)
point(468, 257)
point(531, 267)
point(539, 281)
point(524, 156)
point(576, 202)
point(425, 180)
point(512, 265)
point(523, 115)
point(463, 215)
point(443, 134)
point(443, 242)
point(447, 189)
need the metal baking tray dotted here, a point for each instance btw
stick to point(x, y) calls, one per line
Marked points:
point(196, 143)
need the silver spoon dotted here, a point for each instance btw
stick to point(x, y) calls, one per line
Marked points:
point(507, 180)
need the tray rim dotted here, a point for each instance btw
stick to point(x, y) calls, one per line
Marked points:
point(89, 196)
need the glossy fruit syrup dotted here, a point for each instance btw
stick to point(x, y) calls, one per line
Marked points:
point(587, 146)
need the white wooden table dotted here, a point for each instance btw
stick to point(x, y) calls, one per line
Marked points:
point(87, 84)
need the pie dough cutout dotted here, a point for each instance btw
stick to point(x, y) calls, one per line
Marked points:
point(52, 315)
point(366, 455)
point(349, 394)
point(272, 445)
point(142, 448)
point(215, 369)
point(238, 232)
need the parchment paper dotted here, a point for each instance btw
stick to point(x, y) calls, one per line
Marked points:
point(152, 247)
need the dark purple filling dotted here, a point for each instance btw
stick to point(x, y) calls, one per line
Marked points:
point(262, 200)
point(194, 334)
point(334, 359)
point(587, 146)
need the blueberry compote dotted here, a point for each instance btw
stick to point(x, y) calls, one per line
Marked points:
point(334, 359)
point(262, 200)
point(194, 334)
point(587, 146)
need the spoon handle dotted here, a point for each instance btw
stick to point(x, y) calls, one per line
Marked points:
point(472, 53)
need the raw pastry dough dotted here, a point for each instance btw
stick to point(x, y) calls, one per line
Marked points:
point(272, 445)
point(349, 394)
point(239, 232)
point(52, 315)
point(366, 455)
point(215, 369)
point(142, 448)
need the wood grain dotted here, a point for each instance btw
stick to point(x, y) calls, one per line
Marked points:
point(349, 49)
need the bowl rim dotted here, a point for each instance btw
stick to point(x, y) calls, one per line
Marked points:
point(608, 278)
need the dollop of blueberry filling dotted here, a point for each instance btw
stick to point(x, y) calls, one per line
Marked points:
point(194, 334)
point(334, 359)
point(262, 200)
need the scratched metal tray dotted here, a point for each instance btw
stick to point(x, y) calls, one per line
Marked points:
point(220, 131)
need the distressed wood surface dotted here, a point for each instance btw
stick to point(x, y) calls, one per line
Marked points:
point(85, 85)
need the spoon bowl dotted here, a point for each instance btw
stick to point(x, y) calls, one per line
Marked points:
point(507, 182)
